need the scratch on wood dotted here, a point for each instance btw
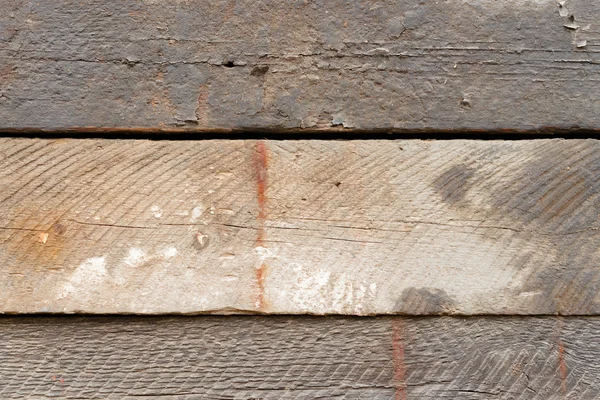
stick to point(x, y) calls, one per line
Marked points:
point(398, 357)
point(260, 166)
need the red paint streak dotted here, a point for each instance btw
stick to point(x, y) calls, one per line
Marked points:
point(398, 357)
point(229, 11)
point(260, 280)
point(260, 169)
point(562, 365)
point(260, 165)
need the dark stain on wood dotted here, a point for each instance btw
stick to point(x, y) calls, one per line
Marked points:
point(561, 203)
point(553, 194)
point(59, 229)
point(259, 70)
point(453, 184)
point(425, 301)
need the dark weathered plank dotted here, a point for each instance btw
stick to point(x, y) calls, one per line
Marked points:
point(358, 227)
point(231, 64)
point(300, 358)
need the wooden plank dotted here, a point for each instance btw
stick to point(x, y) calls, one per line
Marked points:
point(350, 227)
point(308, 65)
point(300, 358)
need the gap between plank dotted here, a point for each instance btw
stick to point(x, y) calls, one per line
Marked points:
point(182, 134)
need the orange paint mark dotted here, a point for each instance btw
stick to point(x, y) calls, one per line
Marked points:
point(260, 280)
point(562, 364)
point(260, 169)
point(229, 11)
point(260, 164)
point(37, 244)
point(398, 358)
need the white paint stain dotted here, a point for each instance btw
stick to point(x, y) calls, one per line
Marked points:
point(311, 289)
point(373, 289)
point(263, 254)
point(135, 257)
point(358, 299)
point(169, 253)
point(196, 213)
point(529, 294)
point(89, 274)
point(157, 211)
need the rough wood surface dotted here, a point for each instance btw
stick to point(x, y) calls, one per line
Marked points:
point(235, 64)
point(300, 358)
point(350, 227)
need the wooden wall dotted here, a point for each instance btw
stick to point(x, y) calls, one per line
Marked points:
point(403, 194)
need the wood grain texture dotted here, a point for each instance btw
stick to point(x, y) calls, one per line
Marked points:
point(349, 227)
point(318, 65)
point(300, 358)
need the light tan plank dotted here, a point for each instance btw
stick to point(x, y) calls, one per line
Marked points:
point(349, 227)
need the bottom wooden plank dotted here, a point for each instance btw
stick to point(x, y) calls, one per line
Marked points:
point(300, 358)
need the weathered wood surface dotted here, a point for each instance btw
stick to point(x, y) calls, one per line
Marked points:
point(239, 64)
point(300, 358)
point(351, 227)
